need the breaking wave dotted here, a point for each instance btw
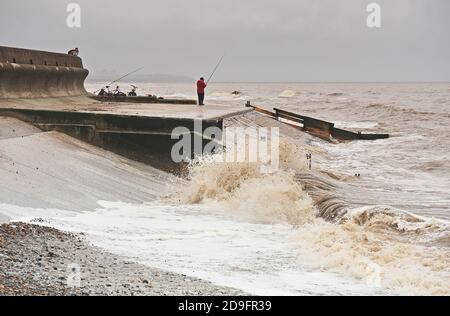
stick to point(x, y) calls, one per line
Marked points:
point(389, 248)
point(287, 94)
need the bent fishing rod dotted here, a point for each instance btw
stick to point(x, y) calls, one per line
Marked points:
point(215, 69)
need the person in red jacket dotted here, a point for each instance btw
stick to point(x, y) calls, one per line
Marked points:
point(201, 85)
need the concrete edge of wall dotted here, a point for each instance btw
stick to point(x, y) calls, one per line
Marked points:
point(35, 74)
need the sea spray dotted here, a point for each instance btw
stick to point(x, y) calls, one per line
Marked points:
point(378, 246)
point(352, 248)
point(242, 190)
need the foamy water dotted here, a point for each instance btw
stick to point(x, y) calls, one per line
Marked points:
point(411, 170)
point(397, 251)
point(259, 259)
point(234, 226)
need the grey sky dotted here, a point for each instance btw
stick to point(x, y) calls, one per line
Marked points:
point(264, 40)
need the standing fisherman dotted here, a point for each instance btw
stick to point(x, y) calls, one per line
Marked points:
point(201, 85)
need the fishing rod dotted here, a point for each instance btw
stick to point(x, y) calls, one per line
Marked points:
point(215, 69)
point(123, 77)
point(128, 74)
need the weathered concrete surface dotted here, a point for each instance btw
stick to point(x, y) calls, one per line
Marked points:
point(36, 74)
point(47, 90)
point(35, 57)
point(85, 104)
point(52, 170)
point(12, 128)
point(143, 138)
point(141, 132)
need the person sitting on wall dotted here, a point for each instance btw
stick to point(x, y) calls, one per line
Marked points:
point(118, 93)
point(74, 52)
point(133, 93)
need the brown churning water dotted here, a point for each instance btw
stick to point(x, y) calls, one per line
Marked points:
point(395, 217)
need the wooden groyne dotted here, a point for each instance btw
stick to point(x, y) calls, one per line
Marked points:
point(323, 129)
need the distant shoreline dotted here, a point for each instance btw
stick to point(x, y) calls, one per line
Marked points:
point(96, 80)
point(138, 78)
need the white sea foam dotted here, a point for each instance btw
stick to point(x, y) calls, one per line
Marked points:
point(287, 94)
point(256, 258)
point(377, 238)
point(233, 226)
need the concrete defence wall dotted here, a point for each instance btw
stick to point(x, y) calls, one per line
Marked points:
point(141, 138)
point(35, 74)
point(33, 79)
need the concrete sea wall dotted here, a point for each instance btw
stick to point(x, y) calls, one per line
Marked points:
point(47, 91)
point(140, 138)
point(28, 73)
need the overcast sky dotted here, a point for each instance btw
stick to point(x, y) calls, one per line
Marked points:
point(264, 40)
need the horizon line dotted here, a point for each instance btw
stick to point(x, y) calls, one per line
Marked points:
point(304, 82)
